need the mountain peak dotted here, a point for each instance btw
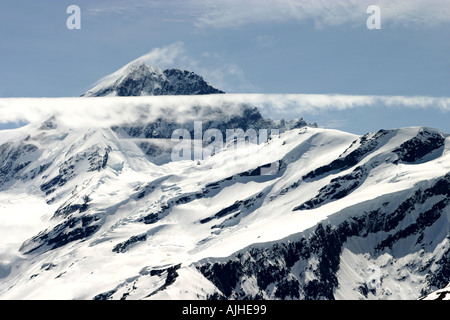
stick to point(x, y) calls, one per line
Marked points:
point(139, 79)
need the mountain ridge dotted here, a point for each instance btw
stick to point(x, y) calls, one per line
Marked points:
point(139, 79)
point(301, 212)
point(109, 198)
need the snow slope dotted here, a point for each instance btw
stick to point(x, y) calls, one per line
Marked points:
point(311, 213)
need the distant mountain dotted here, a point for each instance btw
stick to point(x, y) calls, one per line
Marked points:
point(139, 79)
point(299, 213)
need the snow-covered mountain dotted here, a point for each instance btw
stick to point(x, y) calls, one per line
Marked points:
point(300, 213)
point(341, 216)
point(139, 79)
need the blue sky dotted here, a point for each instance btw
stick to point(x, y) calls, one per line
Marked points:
point(284, 46)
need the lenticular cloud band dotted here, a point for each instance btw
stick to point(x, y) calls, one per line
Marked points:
point(106, 111)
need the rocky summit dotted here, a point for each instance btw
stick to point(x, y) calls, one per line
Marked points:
point(139, 79)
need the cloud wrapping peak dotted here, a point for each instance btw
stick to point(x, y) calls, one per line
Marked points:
point(165, 57)
point(175, 56)
point(105, 112)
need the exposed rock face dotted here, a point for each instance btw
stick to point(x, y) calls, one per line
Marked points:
point(14, 159)
point(138, 79)
point(306, 266)
point(248, 117)
point(368, 249)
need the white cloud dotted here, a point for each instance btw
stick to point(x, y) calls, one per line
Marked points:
point(118, 7)
point(225, 14)
point(167, 56)
point(236, 13)
point(314, 104)
point(265, 41)
point(104, 112)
